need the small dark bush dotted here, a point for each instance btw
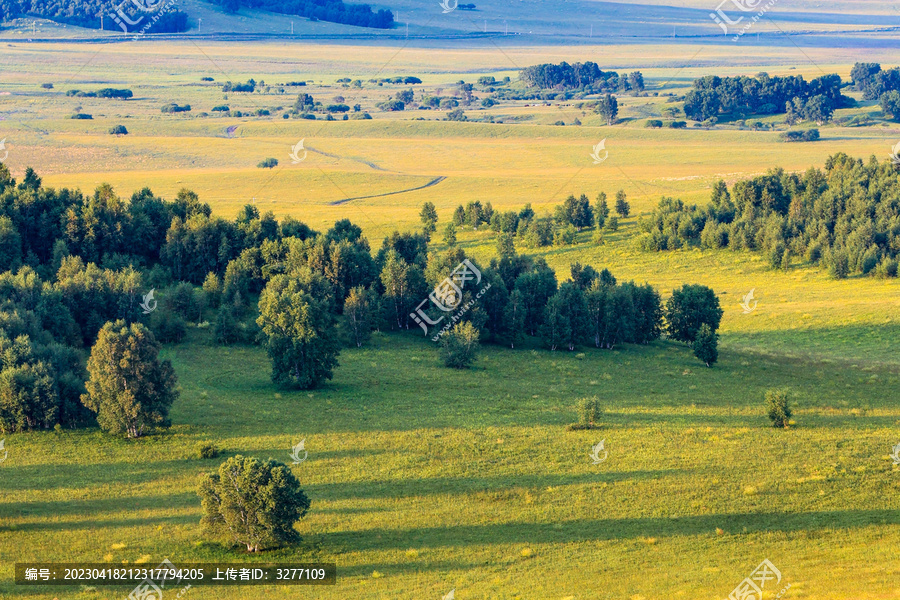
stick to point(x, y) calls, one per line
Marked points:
point(269, 163)
point(118, 130)
point(588, 410)
point(777, 408)
point(654, 123)
point(206, 450)
point(82, 116)
point(175, 108)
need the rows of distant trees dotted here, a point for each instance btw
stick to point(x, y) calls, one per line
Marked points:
point(738, 97)
point(333, 11)
point(86, 13)
point(587, 76)
point(846, 217)
point(77, 272)
point(120, 94)
point(560, 229)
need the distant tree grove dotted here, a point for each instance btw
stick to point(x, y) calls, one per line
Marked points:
point(333, 11)
point(846, 218)
point(86, 13)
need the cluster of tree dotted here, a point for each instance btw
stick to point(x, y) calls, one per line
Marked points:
point(85, 13)
point(175, 108)
point(249, 87)
point(847, 216)
point(77, 269)
point(43, 327)
point(808, 135)
point(878, 84)
point(121, 94)
point(873, 82)
point(568, 218)
point(408, 79)
point(333, 11)
point(741, 96)
point(398, 101)
point(586, 76)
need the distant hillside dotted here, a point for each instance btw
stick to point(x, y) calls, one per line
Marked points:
point(86, 13)
point(333, 11)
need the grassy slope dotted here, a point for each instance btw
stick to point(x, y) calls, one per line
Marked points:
point(439, 479)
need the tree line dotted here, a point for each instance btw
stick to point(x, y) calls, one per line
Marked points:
point(560, 228)
point(333, 11)
point(84, 13)
point(846, 217)
point(815, 100)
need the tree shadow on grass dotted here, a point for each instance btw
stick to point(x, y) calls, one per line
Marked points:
point(51, 476)
point(599, 530)
point(399, 488)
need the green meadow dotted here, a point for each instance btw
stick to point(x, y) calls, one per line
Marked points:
point(425, 479)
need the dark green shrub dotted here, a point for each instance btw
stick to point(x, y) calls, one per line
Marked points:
point(777, 408)
point(206, 450)
point(588, 410)
point(459, 346)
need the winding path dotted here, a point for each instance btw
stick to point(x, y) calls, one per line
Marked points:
point(431, 183)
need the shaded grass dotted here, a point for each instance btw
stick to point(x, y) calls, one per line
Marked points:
point(474, 470)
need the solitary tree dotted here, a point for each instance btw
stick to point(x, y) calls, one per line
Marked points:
point(608, 108)
point(706, 346)
point(296, 319)
point(429, 217)
point(129, 388)
point(252, 502)
point(450, 234)
point(622, 206)
point(601, 212)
